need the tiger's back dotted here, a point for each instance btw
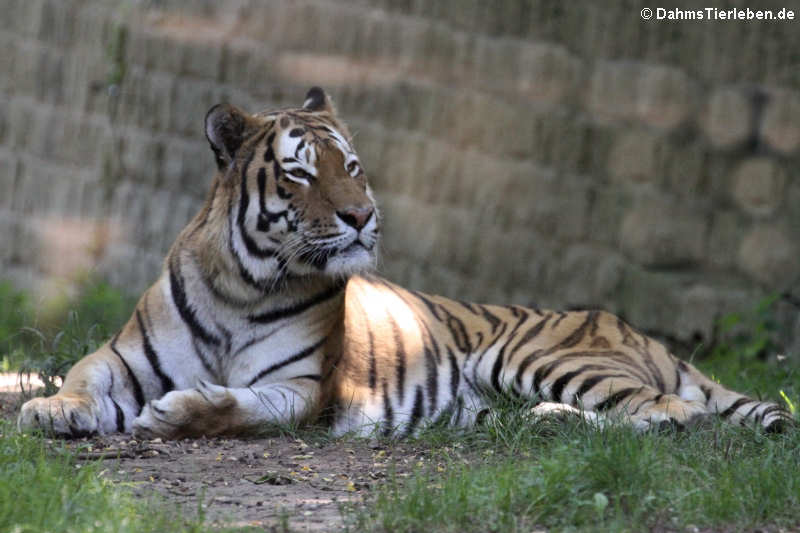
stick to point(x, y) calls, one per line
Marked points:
point(266, 312)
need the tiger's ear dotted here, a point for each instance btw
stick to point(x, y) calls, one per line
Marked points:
point(227, 127)
point(317, 100)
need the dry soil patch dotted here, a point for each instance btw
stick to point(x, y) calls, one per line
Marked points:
point(255, 481)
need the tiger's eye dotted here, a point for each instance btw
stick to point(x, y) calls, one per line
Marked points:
point(353, 168)
point(300, 173)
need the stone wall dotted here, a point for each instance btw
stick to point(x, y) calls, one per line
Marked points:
point(560, 153)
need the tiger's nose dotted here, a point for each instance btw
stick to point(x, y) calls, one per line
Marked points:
point(356, 217)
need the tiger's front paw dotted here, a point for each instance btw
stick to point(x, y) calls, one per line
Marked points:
point(60, 415)
point(185, 413)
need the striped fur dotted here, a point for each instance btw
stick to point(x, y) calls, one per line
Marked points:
point(265, 312)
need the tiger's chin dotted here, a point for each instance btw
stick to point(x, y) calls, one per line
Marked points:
point(351, 260)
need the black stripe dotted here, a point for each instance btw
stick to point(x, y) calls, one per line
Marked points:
point(629, 339)
point(485, 350)
point(455, 373)
point(541, 373)
point(530, 334)
point(467, 305)
point(262, 189)
point(120, 417)
point(459, 410)
point(286, 312)
point(523, 366)
point(120, 414)
point(400, 361)
point(496, 367)
point(626, 361)
point(573, 338)
point(595, 316)
point(706, 392)
point(388, 412)
point(591, 381)
point(561, 316)
point(185, 310)
point(458, 330)
point(137, 387)
point(657, 398)
point(288, 361)
point(373, 370)
point(750, 412)
point(416, 411)
point(166, 382)
point(772, 409)
point(269, 153)
point(734, 406)
point(432, 306)
point(568, 342)
point(243, 272)
point(558, 385)
point(253, 341)
point(654, 368)
point(312, 377)
point(616, 398)
point(199, 353)
point(432, 376)
point(244, 201)
point(493, 320)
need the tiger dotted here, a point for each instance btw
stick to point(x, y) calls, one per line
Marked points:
point(269, 310)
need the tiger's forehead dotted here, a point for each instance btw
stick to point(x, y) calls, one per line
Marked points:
point(303, 138)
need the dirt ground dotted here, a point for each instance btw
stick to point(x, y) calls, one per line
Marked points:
point(263, 482)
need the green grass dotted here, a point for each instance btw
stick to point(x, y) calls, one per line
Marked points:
point(512, 476)
point(42, 488)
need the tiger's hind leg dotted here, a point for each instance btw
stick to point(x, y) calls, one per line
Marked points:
point(730, 405)
point(628, 400)
point(666, 410)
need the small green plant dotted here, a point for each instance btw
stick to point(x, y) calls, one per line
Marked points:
point(63, 328)
point(789, 403)
point(54, 356)
point(16, 312)
point(749, 334)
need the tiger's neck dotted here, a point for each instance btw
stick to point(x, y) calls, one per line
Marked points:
point(205, 250)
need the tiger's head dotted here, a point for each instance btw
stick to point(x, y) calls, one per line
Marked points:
point(298, 201)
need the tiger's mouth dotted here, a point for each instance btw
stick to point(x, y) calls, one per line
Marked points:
point(344, 258)
point(350, 250)
point(356, 245)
